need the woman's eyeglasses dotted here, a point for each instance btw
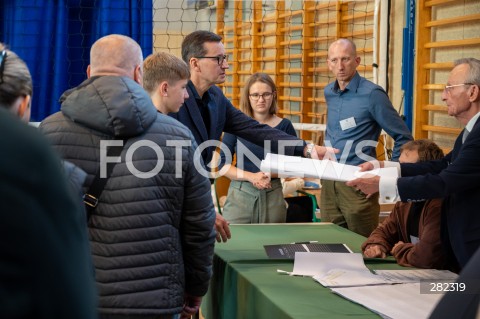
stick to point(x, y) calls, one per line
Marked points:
point(256, 96)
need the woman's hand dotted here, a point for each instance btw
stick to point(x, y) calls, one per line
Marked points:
point(260, 180)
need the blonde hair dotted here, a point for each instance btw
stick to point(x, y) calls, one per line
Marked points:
point(245, 105)
point(163, 66)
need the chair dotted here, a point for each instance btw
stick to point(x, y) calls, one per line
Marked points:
point(302, 209)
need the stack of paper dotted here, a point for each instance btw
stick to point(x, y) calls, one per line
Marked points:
point(415, 275)
point(402, 301)
point(390, 293)
point(294, 166)
point(335, 269)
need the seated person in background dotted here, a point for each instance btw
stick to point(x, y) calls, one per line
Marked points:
point(165, 79)
point(253, 197)
point(291, 185)
point(411, 233)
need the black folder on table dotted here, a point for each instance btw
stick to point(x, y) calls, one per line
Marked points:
point(287, 251)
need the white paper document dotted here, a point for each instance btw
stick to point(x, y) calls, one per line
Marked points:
point(402, 301)
point(335, 269)
point(349, 278)
point(415, 275)
point(294, 166)
point(390, 293)
point(314, 264)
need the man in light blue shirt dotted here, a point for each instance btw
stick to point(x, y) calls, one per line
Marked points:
point(358, 110)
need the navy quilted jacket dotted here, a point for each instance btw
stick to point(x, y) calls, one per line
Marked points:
point(152, 237)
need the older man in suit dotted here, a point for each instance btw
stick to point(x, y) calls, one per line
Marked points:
point(456, 178)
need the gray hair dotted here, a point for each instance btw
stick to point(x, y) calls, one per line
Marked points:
point(115, 54)
point(473, 75)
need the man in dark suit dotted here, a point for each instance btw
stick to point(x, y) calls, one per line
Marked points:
point(456, 178)
point(463, 303)
point(208, 113)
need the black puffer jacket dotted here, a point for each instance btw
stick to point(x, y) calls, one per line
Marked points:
point(150, 237)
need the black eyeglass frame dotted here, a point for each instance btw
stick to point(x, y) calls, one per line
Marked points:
point(220, 58)
point(3, 57)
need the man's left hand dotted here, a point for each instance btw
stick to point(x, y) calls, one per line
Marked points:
point(222, 228)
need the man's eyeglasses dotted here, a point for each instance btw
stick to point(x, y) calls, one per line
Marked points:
point(219, 58)
point(448, 87)
point(343, 60)
point(3, 57)
point(256, 96)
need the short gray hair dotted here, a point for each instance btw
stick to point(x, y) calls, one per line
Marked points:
point(473, 75)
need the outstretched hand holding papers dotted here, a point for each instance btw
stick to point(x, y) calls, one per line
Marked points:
point(293, 166)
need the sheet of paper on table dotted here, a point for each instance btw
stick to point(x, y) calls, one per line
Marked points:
point(335, 269)
point(349, 270)
point(390, 293)
point(403, 301)
point(416, 275)
point(294, 166)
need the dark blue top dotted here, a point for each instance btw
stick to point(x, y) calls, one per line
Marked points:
point(251, 154)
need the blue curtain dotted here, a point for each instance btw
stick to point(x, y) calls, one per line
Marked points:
point(54, 38)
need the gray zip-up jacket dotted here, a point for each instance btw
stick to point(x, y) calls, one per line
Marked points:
point(152, 237)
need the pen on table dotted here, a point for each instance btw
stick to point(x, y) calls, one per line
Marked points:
point(306, 242)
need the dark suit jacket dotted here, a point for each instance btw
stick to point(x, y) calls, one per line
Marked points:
point(456, 178)
point(462, 305)
point(224, 117)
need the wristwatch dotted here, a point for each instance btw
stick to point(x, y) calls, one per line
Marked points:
point(310, 148)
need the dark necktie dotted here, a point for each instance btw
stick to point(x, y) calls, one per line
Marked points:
point(465, 134)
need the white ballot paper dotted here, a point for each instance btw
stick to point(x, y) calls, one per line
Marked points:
point(402, 301)
point(415, 275)
point(294, 166)
point(335, 269)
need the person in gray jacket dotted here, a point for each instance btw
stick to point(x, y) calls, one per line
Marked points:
point(151, 234)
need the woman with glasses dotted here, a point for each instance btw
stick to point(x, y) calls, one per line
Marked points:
point(253, 197)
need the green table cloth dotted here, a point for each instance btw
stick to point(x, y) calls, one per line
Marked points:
point(245, 282)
